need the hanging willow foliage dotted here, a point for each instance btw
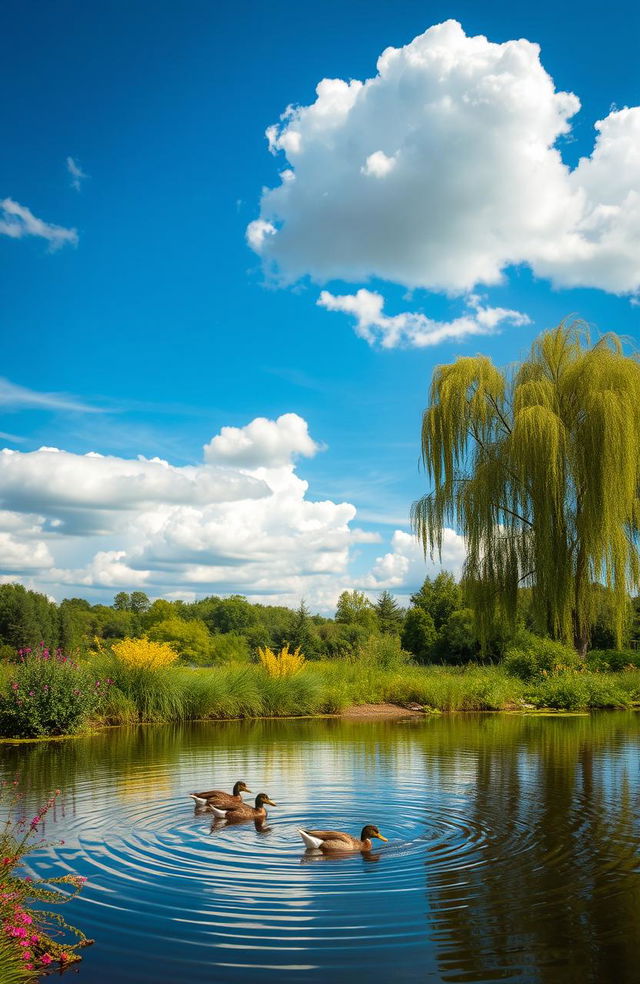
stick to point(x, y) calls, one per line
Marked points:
point(540, 470)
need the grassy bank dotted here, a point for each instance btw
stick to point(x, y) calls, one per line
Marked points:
point(328, 687)
point(110, 692)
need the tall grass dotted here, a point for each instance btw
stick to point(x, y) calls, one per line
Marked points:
point(241, 690)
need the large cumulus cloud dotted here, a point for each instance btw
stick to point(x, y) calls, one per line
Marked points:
point(242, 520)
point(444, 169)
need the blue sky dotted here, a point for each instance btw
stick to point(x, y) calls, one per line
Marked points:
point(160, 326)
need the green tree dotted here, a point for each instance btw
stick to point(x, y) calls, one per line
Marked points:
point(540, 471)
point(122, 602)
point(139, 602)
point(389, 614)
point(27, 618)
point(458, 639)
point(439, 597)
point(191, 639)
point(354, 608)
point(302, 634)
point(419, 634)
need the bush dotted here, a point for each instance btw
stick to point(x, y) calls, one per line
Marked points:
point(532, 657)
point(49, 694)
point(612, 659)
point(282, 664)
point(144, 654)
point(577, 691)
point(230, 648)
point(383, 651)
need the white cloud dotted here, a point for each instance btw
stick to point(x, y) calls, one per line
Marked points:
point(412, 329)
point(443, 170)
point(240, 521)
point(268, 443)
point(17, 221)
point(76, 172)
point(21, 556)
point(12, 395)
point(83, 492)
point(405, 567)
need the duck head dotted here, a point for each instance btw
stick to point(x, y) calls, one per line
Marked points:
point(240, 787)
point(370, 831)
point(261, 799)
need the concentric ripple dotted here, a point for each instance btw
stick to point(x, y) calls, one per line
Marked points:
point(512, 850)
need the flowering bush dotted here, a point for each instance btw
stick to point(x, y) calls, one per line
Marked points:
point(282, 664)
point(144, 654)
point(31, 940)
point(48, 694)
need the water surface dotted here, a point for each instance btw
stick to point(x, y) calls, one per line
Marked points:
point(513, 850)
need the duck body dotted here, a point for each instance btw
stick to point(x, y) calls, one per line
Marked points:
point(236, 814)
point(329, 841)
point(220, 799)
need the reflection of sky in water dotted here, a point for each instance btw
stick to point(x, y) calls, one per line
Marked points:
point(506, 834)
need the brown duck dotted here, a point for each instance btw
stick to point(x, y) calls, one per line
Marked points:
point(244, 812)
point(335, 840)
point(224, 801)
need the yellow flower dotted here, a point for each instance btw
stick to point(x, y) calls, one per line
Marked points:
point(144, 654)
point(282, 664)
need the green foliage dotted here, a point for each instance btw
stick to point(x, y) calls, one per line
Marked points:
point(48, 694)
point(540, 472)
point(382, 650)
point(419, 634)
point(573, 691)
point(191, 639)
point(27, 618)
point(354, 608)
point(440, 597)
point(389, 614)
point(615, 660)
point(458, 639)
point(532, 657)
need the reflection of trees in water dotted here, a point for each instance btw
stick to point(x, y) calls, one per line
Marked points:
point(553, 895)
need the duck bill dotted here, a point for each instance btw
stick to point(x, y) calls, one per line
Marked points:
point(247, 790)
point(271, 803)
point(380, 837)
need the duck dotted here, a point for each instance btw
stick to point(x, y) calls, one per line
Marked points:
point(244, 812)
point(224, 801)
point(335, 840)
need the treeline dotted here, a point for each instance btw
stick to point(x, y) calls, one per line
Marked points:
point(437, 627)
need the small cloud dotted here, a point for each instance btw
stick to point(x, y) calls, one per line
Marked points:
point(412, 329)
point(76, 172)
point(17, 221)
point(20, 397)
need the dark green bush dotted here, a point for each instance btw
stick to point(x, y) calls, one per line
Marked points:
point(532, 657)
point(48, 694)
point(612, 659)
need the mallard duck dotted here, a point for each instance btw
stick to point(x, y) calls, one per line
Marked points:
point(244, 812)
point(335, 840)
point(221, 799)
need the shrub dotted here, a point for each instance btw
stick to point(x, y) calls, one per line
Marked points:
point(144, 654)
point(384, 651)
point(282, 664)
point(49, 694)
point(612, 659)
point(30, 943)
point(532, 657)
point(576, 691)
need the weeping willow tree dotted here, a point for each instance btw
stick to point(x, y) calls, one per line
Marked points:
point(539, 469)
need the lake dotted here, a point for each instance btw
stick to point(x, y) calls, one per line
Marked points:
point(513, 850)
